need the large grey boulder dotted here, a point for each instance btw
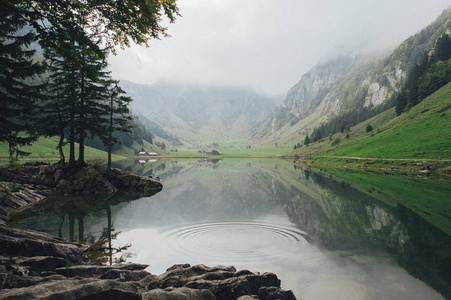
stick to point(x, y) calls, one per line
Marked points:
point(182, 293)
point(28, 243)
point(224, 282)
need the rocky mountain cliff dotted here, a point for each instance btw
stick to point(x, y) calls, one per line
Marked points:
point(194, 114)
point(348, 83)
point(307, 94)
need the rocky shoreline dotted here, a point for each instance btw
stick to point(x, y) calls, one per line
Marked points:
point(36, 181)
point(35, 265)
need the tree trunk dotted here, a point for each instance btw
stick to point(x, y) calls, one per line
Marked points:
point(72, 141)
point(108, 169)
point(81, 149)
point(61, 140)
point(110, 228)
point(60, 148)
point(110, 136)
point(72, 124)
point(81, 128)
point(62, 133)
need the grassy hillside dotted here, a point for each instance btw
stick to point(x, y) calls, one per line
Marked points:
point(288, 136)
point(421, 133)
point(45, 149)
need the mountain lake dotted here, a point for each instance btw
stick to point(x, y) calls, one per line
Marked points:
point(324, 237)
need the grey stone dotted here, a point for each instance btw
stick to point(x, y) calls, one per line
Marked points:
point(17, 242)
point(178, 294)
point(59, 175)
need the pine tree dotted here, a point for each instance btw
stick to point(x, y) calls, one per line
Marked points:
point(400, 103)
point(78, 98)
point(119, 116)
point(442, 49)
point(92, 101)
point(411, 87)
point(17, 71)
point(58, 110)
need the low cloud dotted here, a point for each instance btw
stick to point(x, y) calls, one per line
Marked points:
point(267, 45)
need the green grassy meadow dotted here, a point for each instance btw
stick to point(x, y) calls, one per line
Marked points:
point(421, 133)
point(44, 149)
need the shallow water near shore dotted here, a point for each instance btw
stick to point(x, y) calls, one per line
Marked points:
point(323, 237)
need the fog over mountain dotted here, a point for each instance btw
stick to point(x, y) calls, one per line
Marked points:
point(268, 45)
point(194, 114)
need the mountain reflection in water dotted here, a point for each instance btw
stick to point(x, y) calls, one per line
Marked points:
point(322, 237)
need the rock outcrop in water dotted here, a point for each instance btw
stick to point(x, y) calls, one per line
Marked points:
point(35, 265)
point(36, 181)
point(85, 180)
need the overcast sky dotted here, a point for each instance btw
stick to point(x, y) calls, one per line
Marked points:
point(268, 45)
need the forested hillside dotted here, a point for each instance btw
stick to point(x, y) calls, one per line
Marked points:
point(136, 138)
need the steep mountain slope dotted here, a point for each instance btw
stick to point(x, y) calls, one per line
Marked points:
point(422, 132)
point(197, 114)
point(304, 97)
point(307, 94)
point(344, 84)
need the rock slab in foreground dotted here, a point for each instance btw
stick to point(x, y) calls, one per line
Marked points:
point(35, 265)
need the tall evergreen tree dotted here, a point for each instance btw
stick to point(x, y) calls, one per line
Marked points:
point(423, 63)
point(92, 101)
point(18, 71)
point(55, 112)
point(412, 83)
point(400, 103)
point(76, 67)
point(60, 113)
point(119, 117)
point(442, 49)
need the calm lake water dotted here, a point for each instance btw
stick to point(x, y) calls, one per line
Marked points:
point(323, 237)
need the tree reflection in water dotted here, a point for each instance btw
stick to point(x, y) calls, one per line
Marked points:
point(102, 251)
point(69, 209)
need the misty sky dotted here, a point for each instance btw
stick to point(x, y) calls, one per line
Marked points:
point(268, 45)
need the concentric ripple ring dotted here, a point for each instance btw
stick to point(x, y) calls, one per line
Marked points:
point(238, 240)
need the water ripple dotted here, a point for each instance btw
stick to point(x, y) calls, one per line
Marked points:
point(237, 240)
